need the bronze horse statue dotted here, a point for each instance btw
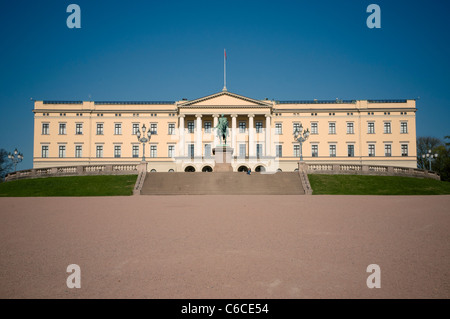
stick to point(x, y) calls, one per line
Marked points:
point(222, 129)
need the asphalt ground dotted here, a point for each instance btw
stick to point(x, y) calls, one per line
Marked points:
point(273, 246)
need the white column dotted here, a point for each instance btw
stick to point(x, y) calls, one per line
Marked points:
point(215, 122)
point(233, 133)
point(251, 135)
point(268, 135)
point(198, 136)
point(181, 135)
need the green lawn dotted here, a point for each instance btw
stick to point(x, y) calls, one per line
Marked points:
point(375, 185)
point(102, 185)
point(122, 185)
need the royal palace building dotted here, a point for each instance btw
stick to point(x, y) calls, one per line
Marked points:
point(261, 132)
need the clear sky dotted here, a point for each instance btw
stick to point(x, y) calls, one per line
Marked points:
point(168, 50)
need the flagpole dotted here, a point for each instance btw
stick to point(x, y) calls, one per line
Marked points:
point(224, 70)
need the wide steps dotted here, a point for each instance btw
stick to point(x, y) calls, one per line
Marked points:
point(226, 183)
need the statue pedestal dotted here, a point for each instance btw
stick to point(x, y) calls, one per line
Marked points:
point(222, 157)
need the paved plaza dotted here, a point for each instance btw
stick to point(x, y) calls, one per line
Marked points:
point(258, 246)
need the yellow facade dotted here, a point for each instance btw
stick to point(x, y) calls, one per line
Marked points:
point(374, 132)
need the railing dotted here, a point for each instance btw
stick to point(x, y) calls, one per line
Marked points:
point(107, 169)
point(94, 168)
point(124, 168)
point(350, 167)
point(320, 167)
point(357, 169)
point(67, 170)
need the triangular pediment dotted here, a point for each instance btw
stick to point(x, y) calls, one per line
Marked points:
point(226, 98)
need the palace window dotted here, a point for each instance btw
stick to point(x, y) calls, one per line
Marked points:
point(191, 150)
point(99, 151)
point(404, 127)
point(332, 150)
point(44, 152)
point(171, 150)
point(135, 151)
point(387, 150)
point(332, 128)
point(371, 149)
point(404, 149)
point(190, 126)
point(135, 128)
point(279, 150)
point(351, 150)
point(296, 127)
point(207, 127)
point(78, 128)
point(314, 128)
point(259, 127)
point(259, 150)
point(153, 151)
point(117, 150)
point(118, 129)
point(171, 129)
point(278, 128)
point(62, 129)
point(207, 150)
point(296, 150)
point(78, 151)
point(350, 128)
point(242, 150)
point(242, 127)
point(371, 128)
point(154, 128)
point(315, 150)
point(99, 128)
point(62, 151)
point(387, 127)
point(45, 128)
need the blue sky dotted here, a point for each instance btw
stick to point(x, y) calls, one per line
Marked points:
point(168, 50)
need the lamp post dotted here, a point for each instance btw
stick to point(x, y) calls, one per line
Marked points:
point(143, 139)
point(301, 136)
point(429, 156)
point(16, 158)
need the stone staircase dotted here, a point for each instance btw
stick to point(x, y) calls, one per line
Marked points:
point(222, 183)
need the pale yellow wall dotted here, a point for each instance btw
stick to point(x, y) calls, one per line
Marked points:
point(163, 114)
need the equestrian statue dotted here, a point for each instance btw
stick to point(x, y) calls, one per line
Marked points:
point(222, 129)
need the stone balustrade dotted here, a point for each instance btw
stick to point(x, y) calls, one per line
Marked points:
point(355, 169)
point(84, 170)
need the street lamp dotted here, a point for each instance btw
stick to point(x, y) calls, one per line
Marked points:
point(15, 157)
point(143, 139)
point(299, 137)
point(429, 156)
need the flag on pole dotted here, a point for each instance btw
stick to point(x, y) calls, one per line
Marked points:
point(224, 70)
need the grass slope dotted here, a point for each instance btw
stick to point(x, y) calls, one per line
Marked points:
point(375, 185)
point(103, 185)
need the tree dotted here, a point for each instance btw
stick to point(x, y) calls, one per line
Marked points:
point(5, 164)
point(424, 144)
point(442, 163)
